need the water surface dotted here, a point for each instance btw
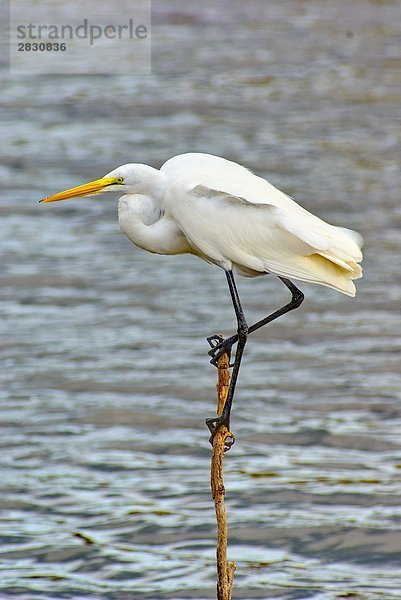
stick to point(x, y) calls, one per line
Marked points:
point(105, 378)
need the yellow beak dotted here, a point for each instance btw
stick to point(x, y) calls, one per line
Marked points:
point(93, 187)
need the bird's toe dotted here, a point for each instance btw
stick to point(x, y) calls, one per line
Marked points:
point(214, 424)
point(214, 340)
point(221, 346)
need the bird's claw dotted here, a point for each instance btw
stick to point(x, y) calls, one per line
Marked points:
point(219, 346)
point(214, 340)
point(213, 424)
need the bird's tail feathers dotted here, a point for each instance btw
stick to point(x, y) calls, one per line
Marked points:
point(320, 270)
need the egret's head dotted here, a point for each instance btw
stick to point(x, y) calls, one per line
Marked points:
point(128, 179)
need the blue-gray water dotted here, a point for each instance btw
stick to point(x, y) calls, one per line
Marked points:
point(105, 378)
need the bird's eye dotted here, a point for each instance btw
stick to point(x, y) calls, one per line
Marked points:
point(120, 180)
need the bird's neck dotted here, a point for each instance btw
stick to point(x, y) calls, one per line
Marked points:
point(141, 205)
point(138, 209)
point(136, 214)
point(143, 221)
point(151, 182)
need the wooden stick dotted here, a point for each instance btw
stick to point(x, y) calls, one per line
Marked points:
point(225, 570)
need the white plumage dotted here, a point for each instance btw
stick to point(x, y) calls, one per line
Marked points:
point(220, 211)
point(216, 209)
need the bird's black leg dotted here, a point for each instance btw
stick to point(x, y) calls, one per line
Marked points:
point(295, 302)
point(241, 337)
point(297, 298)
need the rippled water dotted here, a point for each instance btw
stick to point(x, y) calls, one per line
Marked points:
point(105, 378)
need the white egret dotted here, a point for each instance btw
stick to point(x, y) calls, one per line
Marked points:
point(218, 210)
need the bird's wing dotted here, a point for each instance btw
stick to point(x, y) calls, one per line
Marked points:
point(200, 173)
point(338, 244)
point(208, 175)
point(229, 214)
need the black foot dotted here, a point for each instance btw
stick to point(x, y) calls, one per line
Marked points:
point(214, 340)
point(220, 346)
point(214, 424)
